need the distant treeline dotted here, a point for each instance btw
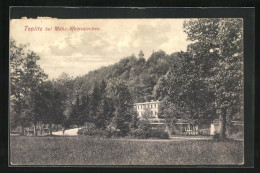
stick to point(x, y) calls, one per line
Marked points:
point(138, 74)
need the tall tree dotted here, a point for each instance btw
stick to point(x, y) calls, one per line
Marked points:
point(50, 103)
point(25, 76)
point(219, 43)
point(119, 93)
point(66, 85)
point(101, 108)
point(76, 113)
point(94, 103)
point(135, 119)
point(141, 54)
point(85, 109)
point(184, 91)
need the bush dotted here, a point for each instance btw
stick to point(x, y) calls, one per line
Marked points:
point(113, 133)
point(95, 132)
point(151, 133)
point(139, 133)
point(98, 132)
point(239, 134)
point(90, 129)
point(235, 131)
point(216, 137)
point(145, 131)
point(158, 134)
point(80, 131)
point(177, 132)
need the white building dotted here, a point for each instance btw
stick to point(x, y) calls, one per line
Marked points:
point(152, 106)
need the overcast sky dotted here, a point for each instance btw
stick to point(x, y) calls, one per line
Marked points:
point(78, 52)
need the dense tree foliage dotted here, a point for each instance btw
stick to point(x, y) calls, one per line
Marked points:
point(184, 91)
point(140, 76)
point(49, 104)
point(218, 43)
point(25, 76)
point(118, 92)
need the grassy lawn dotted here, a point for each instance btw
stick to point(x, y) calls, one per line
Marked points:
point(93, 151)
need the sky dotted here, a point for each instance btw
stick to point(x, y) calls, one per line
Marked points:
point(78, 52)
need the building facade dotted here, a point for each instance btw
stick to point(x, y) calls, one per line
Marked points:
point(152, 107)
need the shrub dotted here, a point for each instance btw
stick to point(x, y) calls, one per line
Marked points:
point(235, 131)
point(90, 129)
point(239, 134)
point(216, 137)
point(98, 132)
point(113, 133)
point(155, 133)
point(145, 131)
point(140, 133)
point(177, 132)
point(80, 131)
point(151, 133)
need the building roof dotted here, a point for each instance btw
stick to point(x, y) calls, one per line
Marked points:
point(144, 103)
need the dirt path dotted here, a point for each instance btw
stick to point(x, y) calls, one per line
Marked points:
point(69, 132)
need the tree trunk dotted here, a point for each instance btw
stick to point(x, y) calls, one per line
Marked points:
point(50, 129)
point(21, 130)
point(34, 129)
point(57, 127)
point(222, 125)
point(19, 114)
point(41, 127)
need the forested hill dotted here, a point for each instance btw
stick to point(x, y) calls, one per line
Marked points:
point(139, 74)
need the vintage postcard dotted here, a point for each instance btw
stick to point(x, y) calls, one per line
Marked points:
point(143, 91)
